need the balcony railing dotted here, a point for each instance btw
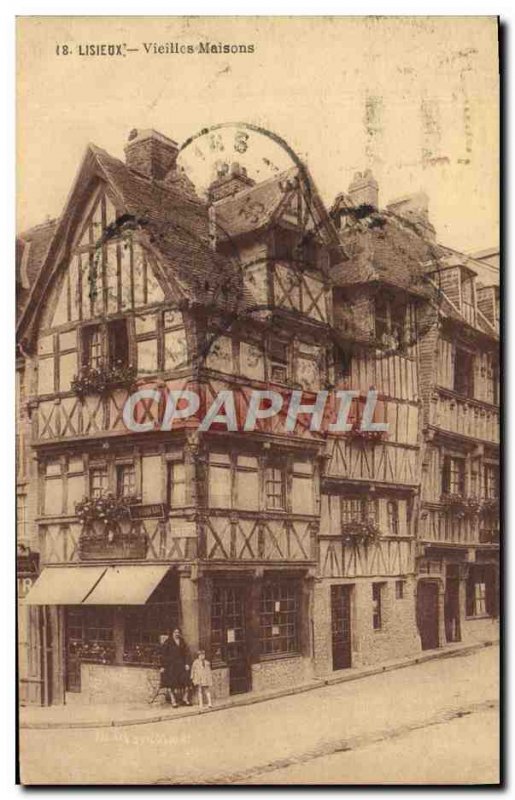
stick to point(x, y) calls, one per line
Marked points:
point(464, 417)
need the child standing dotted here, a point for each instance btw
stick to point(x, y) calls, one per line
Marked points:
point(202, 678)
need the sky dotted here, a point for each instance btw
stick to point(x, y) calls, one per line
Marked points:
point(414, 99)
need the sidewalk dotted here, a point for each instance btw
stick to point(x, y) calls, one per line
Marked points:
point(105, 716)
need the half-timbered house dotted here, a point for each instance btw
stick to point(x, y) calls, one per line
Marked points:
point(284, 552)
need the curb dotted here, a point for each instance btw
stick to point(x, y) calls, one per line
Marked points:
point(318, 683)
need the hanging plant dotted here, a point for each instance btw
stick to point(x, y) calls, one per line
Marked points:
point(101, 379)
point(360, 532)
point(107, 509)
point(460, 505)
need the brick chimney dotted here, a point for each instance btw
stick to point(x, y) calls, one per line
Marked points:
point(229, 180)
point(415, 209)
point(150, 153)
point(364, 189)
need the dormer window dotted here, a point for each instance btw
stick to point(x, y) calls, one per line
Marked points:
point(467, 299)
point(390, 323)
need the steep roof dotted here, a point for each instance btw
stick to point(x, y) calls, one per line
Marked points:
point(255, 208)
point(384, 247)
point(172, 220)
point(31, 248)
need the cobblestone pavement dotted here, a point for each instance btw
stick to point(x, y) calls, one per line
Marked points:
point(259, 743)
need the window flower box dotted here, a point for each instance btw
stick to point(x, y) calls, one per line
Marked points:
point(360, 532)
point(103, 378)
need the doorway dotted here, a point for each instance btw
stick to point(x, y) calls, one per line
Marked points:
point(229, 635)
point(452, 610)
point(341, 626)
point(427, 614)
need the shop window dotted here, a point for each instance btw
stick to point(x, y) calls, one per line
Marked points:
point(144, 627)
point(125, 480)
point(453, 476)
point(98, 480)
point(377, 605)
point(399, 590)
point(464, 372)
point(279, 618)
point(176, 484)
point(90, 634)
point(392, 513)
point(278, 361)
point(275, 487)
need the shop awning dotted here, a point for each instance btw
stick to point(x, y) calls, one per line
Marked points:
point(128, 585)
point(64, 586)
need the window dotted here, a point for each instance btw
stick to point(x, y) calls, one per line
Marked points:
point(98, 482)
point(392, 512)
point(220, 481)
point(358, 509)
point(90, 634)
point(480, 593)
point(453, 476)
point(125, 480)
point(247, 483)
point(464, 372)
point(302, 488)
point(377, 605)
point(279, 618)
point(490, 481)
point(105, 343)
point(275, 487)
point(118, 343)
point(467, 300)
point(176, 484)
point(390, 322)
point(399, 590)
point(342, 364)
point(278, 361)
point(92, 354)
point(475, 488)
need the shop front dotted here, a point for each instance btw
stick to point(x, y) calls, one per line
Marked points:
point(108, 623)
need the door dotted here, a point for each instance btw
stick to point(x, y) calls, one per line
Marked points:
point(229, 635)
point(341, 626)
point(452, 610)
point(427, 614)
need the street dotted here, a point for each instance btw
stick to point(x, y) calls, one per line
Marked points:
point(435, 722)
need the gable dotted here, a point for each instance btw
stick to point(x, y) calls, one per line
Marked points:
point(108, 271)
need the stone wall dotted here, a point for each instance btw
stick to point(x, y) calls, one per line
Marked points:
point(482, 629)
point(397, 638)
point(281, 673)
